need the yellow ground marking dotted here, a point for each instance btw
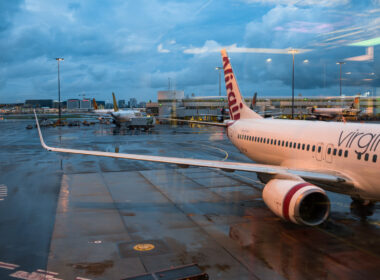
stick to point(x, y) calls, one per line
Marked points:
point(143, 247)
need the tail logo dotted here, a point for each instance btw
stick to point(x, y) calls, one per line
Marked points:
point(232, 102)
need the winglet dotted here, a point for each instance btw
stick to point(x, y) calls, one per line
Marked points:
point(39, 132)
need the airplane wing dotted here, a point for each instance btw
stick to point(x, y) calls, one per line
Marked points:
point(320, 177)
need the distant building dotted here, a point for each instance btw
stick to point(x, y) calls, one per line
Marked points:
point(121, 103)
point(73, 104)
point(85, 104)
point(132, 103)
point(142, 104)
point(38, 103)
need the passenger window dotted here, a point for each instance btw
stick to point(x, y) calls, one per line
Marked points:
point(271, 141)
point(359, 155)
point(313, 149)
point(286, 144)
point(366, 156)
point(374, 158)
point(334, 153)
point(299, 146)
point(294, 145)
point(308, 147)
point(345, 153)
point(279, 143)
point(283, 142)
point(329, 151)
point(340, 152)
point(303, 146)
point(319, 149)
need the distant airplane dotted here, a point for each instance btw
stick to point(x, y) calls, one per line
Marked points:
point(299, 159)
point(333, 113)
point(269, 111)
point(100, 112)
point(121, 116)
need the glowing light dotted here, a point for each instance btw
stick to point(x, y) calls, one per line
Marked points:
point(306, 61)
point(269, 60)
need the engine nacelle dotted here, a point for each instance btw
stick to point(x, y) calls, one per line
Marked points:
point(297, 201)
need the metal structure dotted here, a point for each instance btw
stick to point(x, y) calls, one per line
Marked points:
point(59, 91)
point(340, 77)
point(293, 52)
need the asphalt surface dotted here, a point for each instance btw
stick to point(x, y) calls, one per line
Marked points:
point(223, 209)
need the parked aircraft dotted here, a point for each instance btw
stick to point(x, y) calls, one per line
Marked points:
point(333, 113)
point(299, 159)
point(121, 116)
point(100, 112)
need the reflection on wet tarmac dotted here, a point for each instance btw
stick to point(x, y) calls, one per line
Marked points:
point(81, 216)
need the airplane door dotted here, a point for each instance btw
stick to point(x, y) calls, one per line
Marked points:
point(329, 152)
point(319, 151)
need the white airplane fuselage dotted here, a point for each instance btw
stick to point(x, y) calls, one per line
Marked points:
point(348, 148)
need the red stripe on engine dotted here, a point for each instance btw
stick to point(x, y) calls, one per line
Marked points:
point(288, 198)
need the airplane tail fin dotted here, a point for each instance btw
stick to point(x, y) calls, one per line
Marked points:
point(115, 108)
point(356, 104)
point(236, 104)
point(253, 104)
point(94, 103)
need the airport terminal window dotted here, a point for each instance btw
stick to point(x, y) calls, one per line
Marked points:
point(340, 152)
point(345, 153)
point(366, 156)
point(334, 153)
point(329, 151)
point(374, 158)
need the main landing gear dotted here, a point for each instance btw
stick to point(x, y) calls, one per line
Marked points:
point(362, 208)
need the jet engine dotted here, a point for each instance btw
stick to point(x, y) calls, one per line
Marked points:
point(297, 201)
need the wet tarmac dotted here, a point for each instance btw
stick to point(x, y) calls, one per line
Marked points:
point(80, 217)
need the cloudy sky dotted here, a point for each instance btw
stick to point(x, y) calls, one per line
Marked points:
point(135, 47)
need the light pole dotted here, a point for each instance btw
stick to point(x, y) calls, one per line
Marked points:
point(220, 70)
point(293, 52)
point(59, 91)
point(340, 78)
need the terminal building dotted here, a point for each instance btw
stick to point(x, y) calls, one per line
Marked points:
point(174, 104)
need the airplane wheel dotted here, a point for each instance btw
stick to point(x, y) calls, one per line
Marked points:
point(362, 208)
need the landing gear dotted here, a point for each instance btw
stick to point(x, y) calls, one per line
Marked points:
point(362, 208)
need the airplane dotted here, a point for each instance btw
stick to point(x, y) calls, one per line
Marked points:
point(266, 111)
point(122, 116)
point(297, 160)
point(101, 112)
point(333, 113)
